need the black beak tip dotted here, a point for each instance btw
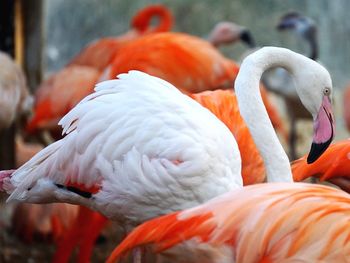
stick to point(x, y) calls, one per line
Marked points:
point(284, 25)
point(317, 149)
point(280, 27)
point(247, 37)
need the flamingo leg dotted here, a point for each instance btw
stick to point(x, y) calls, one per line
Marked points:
point(73, 236)
point(98, 222)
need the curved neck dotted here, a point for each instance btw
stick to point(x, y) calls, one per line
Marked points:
point(254, 112)
point(142, 20)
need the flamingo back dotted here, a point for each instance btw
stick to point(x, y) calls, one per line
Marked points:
point(189, 63)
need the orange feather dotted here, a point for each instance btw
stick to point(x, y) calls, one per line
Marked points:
point(223, 103)
point(294, 222)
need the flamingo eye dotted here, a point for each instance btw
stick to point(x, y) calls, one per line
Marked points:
point(327, 91)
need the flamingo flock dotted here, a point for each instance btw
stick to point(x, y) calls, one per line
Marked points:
point(161, 133)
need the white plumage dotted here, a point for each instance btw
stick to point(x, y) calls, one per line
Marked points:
point(152, 150)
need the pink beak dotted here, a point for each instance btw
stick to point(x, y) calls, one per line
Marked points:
point(323, 130)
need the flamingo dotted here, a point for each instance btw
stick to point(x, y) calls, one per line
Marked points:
point(63, 90)
point(286, 222)
point(223, 229)
point(152, 165)
point(226, 32)
point(281, 83)
point(332, 166)
point(223, 104)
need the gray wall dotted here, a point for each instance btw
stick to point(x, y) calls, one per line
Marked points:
point(72, 24)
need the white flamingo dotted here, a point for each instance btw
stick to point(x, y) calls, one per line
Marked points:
point(137, 148)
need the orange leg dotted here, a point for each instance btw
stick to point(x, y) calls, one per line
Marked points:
point(98, 222)
point(74, 235)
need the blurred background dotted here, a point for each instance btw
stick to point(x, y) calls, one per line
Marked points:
point(57, 30)
point(69, 26)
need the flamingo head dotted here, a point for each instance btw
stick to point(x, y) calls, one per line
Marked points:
point(228, 32)
point(301, 25)
point(314, 86)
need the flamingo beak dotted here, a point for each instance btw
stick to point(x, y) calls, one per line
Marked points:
point(323, 130)
point(286, 24)
point(247, 38)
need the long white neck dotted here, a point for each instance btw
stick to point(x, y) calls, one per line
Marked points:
point(254, 112)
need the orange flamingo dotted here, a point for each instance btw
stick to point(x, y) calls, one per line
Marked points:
point(285, 222)
point(63, 90)
point(333, 166)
